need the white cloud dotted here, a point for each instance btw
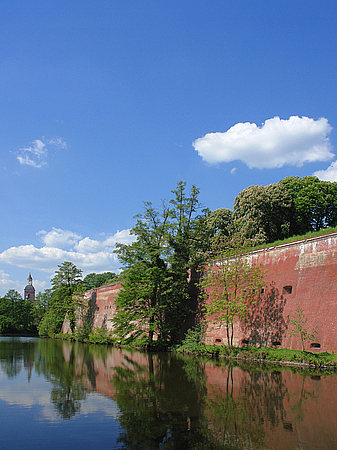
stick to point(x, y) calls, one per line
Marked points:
point(38, 397)
point(45, 258)
point(36, 153)
point(329, 174)
point(58, 237)
point(121, 237)
point(88, 254)
point(276, 143)
point(88, 245)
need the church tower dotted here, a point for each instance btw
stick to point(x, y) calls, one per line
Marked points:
point(29, 293)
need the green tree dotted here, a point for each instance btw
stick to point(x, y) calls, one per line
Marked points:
point(207, 229)
point(314, 203)
point(16, 314)
point(264, 213)
point(66, 282)
point(41, 304)
point(67, 276)
point(95, 280)
point(298, 322)
point(231, 285)
point(184, 243)
point(141, 302)
point(292, 206)
point(156, 291)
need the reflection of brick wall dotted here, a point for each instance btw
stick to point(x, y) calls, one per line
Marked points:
point(297, 404)
point(302, 273)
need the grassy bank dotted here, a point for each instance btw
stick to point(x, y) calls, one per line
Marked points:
point(281, 356)
point(308, 235)
point(264, 354)
point(102, 337)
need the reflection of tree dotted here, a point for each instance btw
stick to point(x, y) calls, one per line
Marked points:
point(266, 323)
point(67, 392)
point(265, 392)
point(300, 398)
point(67, 399)
point(232, 423)
point(12, 353)
point(160, 407)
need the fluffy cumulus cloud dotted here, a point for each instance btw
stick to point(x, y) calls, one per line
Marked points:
point(58, 237)
point(329, 174)
point(276, 143)
point(35, 154)
point(64, 245)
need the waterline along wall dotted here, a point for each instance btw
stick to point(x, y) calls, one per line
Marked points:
point(302, 273)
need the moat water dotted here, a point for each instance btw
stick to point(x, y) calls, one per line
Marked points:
point(60, 395)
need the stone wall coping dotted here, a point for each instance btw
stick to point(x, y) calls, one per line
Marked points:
point(289, 244)
point(102, 287)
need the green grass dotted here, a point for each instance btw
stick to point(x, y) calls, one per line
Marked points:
point(308, 235)
point(264, 354)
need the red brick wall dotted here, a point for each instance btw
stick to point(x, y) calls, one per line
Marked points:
point(104, 300)
point(310, 268)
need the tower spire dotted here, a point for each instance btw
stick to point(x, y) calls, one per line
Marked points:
point(29, 292)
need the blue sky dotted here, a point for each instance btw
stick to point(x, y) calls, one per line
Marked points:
point(107, 104)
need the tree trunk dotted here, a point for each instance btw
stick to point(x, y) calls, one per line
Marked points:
point(228, 336)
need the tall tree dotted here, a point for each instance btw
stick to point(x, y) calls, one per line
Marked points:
point(231, 284)
point(141, 301)
point(65, 283)
point(155, 288)
point(67, 276)
point(184, 243)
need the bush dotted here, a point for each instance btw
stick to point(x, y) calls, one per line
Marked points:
point(193, 341)
point(100, 336)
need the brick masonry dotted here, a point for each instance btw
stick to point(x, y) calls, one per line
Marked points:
point(302, 273)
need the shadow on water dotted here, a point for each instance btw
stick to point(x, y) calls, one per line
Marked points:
point(172, 401)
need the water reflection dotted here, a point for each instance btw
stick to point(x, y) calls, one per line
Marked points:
point(170, 401)
point(67, 392)
point(159, 406)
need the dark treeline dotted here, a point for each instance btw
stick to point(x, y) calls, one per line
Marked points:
point(17, 315)
point(157, 298)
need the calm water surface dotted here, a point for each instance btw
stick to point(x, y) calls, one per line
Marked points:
point(60, 395)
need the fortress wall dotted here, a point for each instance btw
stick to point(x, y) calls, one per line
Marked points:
point(103, 300)
point(302, 273)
